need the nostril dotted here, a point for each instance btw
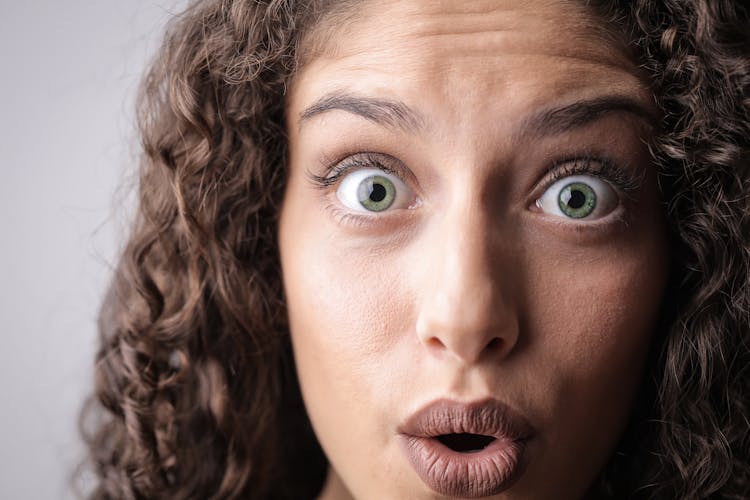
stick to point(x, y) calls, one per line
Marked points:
point(435, 343)
point(494, 344)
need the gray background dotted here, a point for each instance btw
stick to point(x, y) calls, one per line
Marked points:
point(68, 75)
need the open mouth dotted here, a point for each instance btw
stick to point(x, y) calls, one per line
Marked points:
point(465, 443)
point(474, 450)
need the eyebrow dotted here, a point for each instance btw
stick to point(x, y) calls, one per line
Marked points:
point(385, 112)
point(577, 114)
point(548, 122)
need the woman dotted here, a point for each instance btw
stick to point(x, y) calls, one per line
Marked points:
point(420, 249)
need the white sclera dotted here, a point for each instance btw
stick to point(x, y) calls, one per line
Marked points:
point(348, 190)
point(606, 197)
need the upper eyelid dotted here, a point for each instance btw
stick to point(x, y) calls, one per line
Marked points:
point(623, 179)
point(335, 169)
point(369, 161)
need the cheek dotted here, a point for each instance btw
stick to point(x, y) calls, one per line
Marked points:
point(349, 322)
point(346, 302)
point(347, 317)
point(591, 321)
point(599, 312)
point(586, 314)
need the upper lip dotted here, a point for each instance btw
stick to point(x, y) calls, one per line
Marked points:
point(488, 417)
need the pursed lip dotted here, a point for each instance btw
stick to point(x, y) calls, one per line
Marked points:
point(488, 417)
point(476, 473)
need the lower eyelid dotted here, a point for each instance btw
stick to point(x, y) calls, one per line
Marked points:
point(346, 217)
point(619, 217)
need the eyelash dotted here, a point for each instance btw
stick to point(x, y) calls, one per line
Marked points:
point(625, 181)
point(335, 170)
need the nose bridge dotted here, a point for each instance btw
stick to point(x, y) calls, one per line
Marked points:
point(465, 273)
point(464, 309)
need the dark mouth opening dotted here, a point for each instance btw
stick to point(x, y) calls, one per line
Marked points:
point(465, 443)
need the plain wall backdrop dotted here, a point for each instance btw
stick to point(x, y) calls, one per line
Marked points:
point(69, 71)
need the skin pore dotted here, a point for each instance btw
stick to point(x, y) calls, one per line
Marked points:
point(469, 120)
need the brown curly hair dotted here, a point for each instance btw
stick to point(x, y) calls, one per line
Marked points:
point(195, 386)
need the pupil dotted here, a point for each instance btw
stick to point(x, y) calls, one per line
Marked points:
point(378, 193)
point(577, 199)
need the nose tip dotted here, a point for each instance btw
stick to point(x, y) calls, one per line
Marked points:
point(496, 348)
point(468, 330)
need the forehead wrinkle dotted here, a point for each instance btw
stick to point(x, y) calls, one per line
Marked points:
point(477, 29)
point(494, 52)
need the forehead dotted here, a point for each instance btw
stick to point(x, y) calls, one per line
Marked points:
point(469, 54)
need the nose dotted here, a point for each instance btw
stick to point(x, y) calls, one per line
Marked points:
point(465, 312)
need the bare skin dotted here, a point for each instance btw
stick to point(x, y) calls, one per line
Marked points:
point(473, 282)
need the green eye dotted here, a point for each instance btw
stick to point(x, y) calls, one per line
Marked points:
point(376, 193)
point(583, 198)
point(577, 200)
point(372, 190)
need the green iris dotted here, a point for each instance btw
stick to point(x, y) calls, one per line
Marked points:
point(376, 193)
point(577, 200)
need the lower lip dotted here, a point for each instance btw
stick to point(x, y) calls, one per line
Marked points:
point(469, 475)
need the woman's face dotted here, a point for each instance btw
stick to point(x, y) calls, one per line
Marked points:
point(472, 248)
